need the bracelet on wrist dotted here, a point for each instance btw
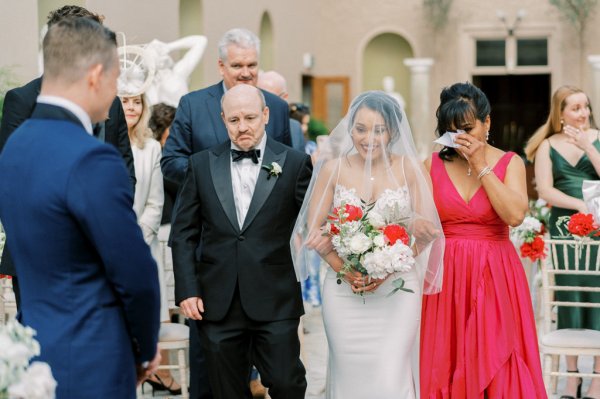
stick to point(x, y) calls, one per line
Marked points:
point(484, 171)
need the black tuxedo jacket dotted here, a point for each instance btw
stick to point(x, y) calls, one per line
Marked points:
point(18, 106)
point(198, 126)
point(256, 257)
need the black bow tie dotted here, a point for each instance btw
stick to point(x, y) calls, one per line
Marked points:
point(253, 154)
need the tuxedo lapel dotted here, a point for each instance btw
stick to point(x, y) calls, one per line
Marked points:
point(220, 172)
point(264, 183)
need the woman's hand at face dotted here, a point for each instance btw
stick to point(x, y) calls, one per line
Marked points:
point(577, 137)
point(472, 149)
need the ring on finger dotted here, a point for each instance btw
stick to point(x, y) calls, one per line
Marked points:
point(468, 144)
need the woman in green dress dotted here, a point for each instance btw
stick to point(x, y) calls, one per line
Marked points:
point(566, 150)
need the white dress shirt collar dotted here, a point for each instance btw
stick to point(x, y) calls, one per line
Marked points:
point(75, 109)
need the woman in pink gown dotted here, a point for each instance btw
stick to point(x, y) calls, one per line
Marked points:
point(478, 337)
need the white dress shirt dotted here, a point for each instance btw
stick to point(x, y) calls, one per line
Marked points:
point(244, 174)
point(75, 109)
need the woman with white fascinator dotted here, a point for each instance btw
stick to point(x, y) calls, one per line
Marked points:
point(149, 195)
point(369, 213)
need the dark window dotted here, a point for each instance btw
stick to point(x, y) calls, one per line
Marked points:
point(532, 52)
point(491, 53)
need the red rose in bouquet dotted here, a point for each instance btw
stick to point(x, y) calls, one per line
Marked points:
point(582, 225)
point(394, 232)
point(343, 214)
point(534, 249)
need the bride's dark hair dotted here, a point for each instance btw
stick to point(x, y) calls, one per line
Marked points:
point(382, 103)
point(460, 104)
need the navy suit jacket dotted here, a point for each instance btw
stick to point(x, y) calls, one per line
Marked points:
point(257, 257)
point(65, 201)
point(18, 107)
point(198, 126)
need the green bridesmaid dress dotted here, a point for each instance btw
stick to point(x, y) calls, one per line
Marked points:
point(569, 179)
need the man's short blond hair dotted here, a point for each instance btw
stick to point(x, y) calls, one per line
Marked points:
point(73, 45)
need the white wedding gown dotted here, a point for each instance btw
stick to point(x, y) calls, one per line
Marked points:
point(372, 339)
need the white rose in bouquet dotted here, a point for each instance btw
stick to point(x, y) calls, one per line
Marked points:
point(376, 219)
point(359, 243)
point(401, 257)
point(379, 240)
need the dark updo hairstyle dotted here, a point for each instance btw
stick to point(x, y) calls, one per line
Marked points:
point(161, 118)
point(460, 104)
point(382, 103)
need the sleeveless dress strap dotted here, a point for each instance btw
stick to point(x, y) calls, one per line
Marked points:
point(436, 162)
point(502, 164)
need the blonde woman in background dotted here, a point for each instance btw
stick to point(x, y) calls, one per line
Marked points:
point(148, 205)
point(566, 152)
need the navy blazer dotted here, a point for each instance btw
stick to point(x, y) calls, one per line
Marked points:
point(198, 126)
point(65, 201)
point(18, 107)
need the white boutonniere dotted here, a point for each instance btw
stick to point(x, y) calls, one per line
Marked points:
point(274, 169)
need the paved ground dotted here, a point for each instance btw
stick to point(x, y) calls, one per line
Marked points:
point(314, 356)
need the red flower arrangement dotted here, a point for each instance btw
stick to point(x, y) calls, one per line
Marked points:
point(343, 214)
point(530, 236)
point(583, 225)
point(394, 232)
point(534, 250)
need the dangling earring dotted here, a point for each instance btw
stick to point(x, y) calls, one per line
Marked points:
point(487, 135)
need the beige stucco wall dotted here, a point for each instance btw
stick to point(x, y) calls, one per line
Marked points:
point(335, 32)
point(18, 38)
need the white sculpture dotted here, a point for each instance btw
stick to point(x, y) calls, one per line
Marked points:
point(171, 78)
point(388, 86)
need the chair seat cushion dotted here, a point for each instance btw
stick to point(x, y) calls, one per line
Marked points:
point(572, 338)
point(173, 332)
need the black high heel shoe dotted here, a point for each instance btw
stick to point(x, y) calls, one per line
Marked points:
point(161, 386)
point(589, 397)
point(578, 387)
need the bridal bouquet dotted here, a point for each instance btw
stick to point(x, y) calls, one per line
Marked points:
point(529, 236)
point(19, 379)
point(372, 239)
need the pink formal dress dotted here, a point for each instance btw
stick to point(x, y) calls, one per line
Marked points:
point(478, 334)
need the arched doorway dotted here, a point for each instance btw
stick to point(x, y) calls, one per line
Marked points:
point(383, 57)
point(267, 51)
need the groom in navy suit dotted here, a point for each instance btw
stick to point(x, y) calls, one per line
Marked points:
point(65, 201)
point(20, 102)
point(236, 209)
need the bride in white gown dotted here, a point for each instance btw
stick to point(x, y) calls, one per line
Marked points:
point(371, 333)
